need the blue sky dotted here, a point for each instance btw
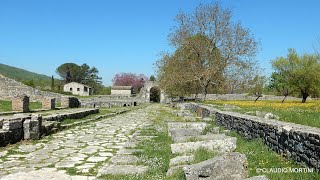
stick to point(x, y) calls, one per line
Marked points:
point(127, 36)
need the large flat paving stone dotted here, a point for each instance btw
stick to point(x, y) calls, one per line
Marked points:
point(122, 170)
point(231, 166)
point(179, 160)
point(45, 173)
point(226, 145)
point(198, 125)
point(124, 159)
point(181, 132)
point(199, 138)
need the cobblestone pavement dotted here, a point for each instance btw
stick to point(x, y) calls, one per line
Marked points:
point(83, 149)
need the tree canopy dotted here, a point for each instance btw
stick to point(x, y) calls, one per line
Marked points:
point(71, 72)
point(298, 73)
point(207, 43)
point(130, 79)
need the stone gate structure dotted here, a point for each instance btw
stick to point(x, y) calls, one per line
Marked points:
point(145, 92)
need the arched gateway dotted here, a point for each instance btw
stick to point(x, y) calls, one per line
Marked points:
point(151, 92)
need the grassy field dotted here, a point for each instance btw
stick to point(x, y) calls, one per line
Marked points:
point(289, 111)
point(7, 106)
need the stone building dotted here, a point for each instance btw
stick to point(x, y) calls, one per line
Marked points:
point(77, 89)
point(121, 90)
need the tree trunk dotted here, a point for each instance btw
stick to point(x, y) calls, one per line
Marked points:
point(205, 92)
point(284, 98)
point(304, 97)
point(258, 96)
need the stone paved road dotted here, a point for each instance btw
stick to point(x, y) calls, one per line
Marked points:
point(83, 149)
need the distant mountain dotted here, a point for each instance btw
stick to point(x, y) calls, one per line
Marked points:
point(30, 78)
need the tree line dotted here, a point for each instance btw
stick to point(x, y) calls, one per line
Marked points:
point(212, 53)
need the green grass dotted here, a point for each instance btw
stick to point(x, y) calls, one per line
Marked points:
point(202, 154)
point(290, 111)
point(35, 105)
point(5, 106)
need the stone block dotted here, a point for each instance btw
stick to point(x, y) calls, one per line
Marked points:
point(122, 170)
point(4, 138)
point(21, 103)
point(179, 160)
point(49, 103)
point(12, 124)
point(226, 145)
point(229, 166)
point(70, 102)
point(32, 127)
point(175, 133)
point(199, 138)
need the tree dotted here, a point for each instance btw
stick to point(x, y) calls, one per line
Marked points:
point(52, 83)
point(84, 74)
point(152, 78)
point(130, 79)
point(207, 42)
point(29, 83)
point(238, 77)
point(280, 84)
point(256, 86)
point(300, 72)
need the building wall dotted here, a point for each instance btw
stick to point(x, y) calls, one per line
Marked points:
point(120, 92)
point(77, 89)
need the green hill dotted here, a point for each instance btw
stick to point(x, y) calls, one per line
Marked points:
point(29, 78)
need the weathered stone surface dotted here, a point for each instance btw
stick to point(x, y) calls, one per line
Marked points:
point(4, 138)
point(299, 142)
point(225, 145)
point(122, 170)
point(70, 102)
point(174, 169)
point(199, 138)
point(20, 103)
point(96, 159)
point(12, 124)
point(184, 132)
point(231, 166)
point(49, 103)
point(67, 163)
point(124, 159)
point(129, 151)
point(257, 178)
point(181, 160)
point(45, 173)
point(95, 141)
point(179, 125)
point(32, 127)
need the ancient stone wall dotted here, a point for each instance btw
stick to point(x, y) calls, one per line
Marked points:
point(298, 142)
point(226, 97)
point(21, 103)
point(32, 126)
point(10, 88)
point(70, 102)
point(109, 101)
point(48, 103)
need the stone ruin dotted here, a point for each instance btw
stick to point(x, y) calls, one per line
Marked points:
point(21, 103)
point(49, 103)
point(298, 142)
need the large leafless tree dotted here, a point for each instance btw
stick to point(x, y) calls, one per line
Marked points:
point(208, 41)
